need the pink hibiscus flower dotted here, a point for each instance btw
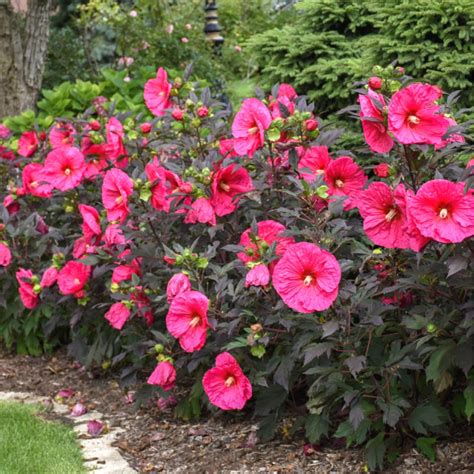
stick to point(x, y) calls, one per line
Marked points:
point(307, 278)
point(384, 214)
point(126, 272)
point(258, 276)
point(117, 315)
point(164, 375)
point(226, 385)
point(442, 211)
point(413, 117)
point(177, 284)
point(157, 93)
point(28, 144)
point(90, 222)
point(73, 277)
point(226, 147)
point(255, 246)
point(49, 277)
point(5, 255)
point(115, 149)
point(201, 211)
point(64, 168)
point(28, 296)
point(113, 235)
point(375, 130)
point(313, 161)
point(286, 96)
point(34, 182)
point(249, 126)
point(227, 184)
point(345, 178)
point(187, 320)
point(116, 189)
point(452, 137)
point(62, 134)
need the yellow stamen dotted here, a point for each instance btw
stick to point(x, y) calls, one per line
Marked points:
point(34, 184)
point(390, 215)
point(229, 381)
point(253, 130)
point(413, 119)
point(77, 281)
point(443, 213)
point(339, 183)
point(119, 199)
point(195, 321)
point(224, 187)
point(67, 171)
point(307, 281)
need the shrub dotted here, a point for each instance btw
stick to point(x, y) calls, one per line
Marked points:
point(260, 265)
point(332, 44)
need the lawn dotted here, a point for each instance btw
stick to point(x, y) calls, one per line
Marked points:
point(31, 445)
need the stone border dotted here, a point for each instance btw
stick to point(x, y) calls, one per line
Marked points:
point(98, 453)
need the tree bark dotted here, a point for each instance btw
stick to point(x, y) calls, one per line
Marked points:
point(23, 47)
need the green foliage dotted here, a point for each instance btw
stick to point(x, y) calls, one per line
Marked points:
point(334, 43)
point(29, 444)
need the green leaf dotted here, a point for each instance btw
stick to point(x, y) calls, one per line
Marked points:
point(439, 361)
point(316, 426)
point(375, 450)
point(469, 396)
point(427, 416)
point(267, 427)
point(426, 447)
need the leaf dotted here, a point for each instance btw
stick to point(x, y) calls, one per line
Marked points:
point(456, 264)
point(437, 361)
point(270, 399)
point(469, 397)
point(330, 328)
point(376, 452)
point(356, 415)
point(317, 350)
point(355, 364)
point(391, 413)
point(426, 447)
point(316, 426)
point(427, 416)
point(282, 374)
point(267, 427)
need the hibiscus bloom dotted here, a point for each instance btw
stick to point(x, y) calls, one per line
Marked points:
point(286, 96)
point(452, 137)
point(313, 161)
point(28, 144)
point(384, 214)
point(157, 93)
point(126, 272)
point(227, 184)
point(249, 126)
point(34, 182)
point(259, 275)
point(90, 222)
point(307, 278)
point(345, 178)
point(382, 170)
point(28, 296)
point(226, 385)
point(113, 235)
point(117, 315)
point(375, 131)
point(62, 134)
point(116, 188)
point(164, 375)
point(64, 168)
point(187, 320)
point(226, 147)
point(115, 149)
point(442, 211)
point(201, 211)
point(73, 277)
point(413, 117)
point(49, 277)
point(267, 232)
point(177, 284)
point(5, 255)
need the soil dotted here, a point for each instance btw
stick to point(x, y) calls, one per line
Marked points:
point(154, 441)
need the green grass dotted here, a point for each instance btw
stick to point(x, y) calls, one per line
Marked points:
point(30, 445)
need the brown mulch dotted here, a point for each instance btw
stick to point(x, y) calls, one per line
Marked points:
point(154, 441)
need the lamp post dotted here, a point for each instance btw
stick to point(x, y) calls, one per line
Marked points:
point(212, 30)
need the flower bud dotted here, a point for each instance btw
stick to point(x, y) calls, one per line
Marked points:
point(311, 125)
point(203, 111)
point(177, 114)
point(145, 127)
point(159, 348)
point(94, 125)
point(375, 83)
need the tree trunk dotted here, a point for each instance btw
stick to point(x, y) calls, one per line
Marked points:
point(23, 47)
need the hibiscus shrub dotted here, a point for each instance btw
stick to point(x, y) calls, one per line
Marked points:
point(261, 265)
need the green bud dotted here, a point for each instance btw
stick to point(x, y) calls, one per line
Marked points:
point(37, 288)
point(179, 260)
point(106, 364)
point(377, 70)
point(377, 251)
point(159, 348)
point(206, 172)
point(258, 351)
point(202, 262)
point(196, 122)
point(431, 328)
point(187, 253)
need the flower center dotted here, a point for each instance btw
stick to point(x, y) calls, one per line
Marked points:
point(308, 280)
point(391, 215)
point(195, 321)
point(413, 119)
point(119, 199)
point(443, 213)
point(229, 381)
point(225, 187)
point(339, 183)
point(77, 281)
point(67, 171)
point(253, 130)
point(34, 184)
point(321, 171)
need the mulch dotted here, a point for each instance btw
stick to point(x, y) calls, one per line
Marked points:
point(155, 441)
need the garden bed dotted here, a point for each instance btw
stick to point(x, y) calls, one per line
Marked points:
point(155, 441)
